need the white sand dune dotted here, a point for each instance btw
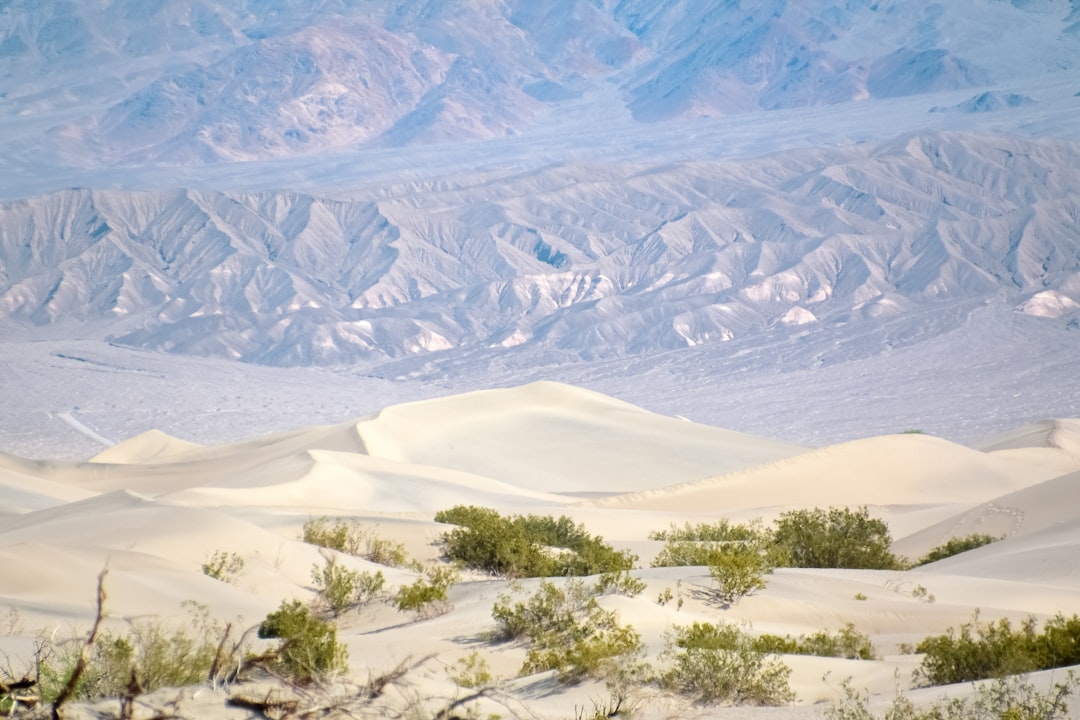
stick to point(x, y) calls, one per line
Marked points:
point(557, 438)
point(146, 448)
point(888, 470)
point(1050, 556)
point(335, 482)
point(1029, 510)
point(153, 509)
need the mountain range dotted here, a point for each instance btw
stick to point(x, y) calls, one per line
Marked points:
point(423, 189)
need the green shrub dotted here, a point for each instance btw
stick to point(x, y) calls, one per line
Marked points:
point(526, 546)
point(719, 663)
point(567, 631)
point(737, 570)
point(352, 539)
point(705, 543)
point(1012, 698)
point(340, 588)
point(341, 536)
point(955, 546)
point(309, 649)
point(619, 583)
point(722, 530)
point(223, 566)
point(471, 671)
point(847, 643)
point(427, 596)
point(150, 652)
point(996, 649)
point(833, 538)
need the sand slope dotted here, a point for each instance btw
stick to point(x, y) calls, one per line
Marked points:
point(888, 470)
point(153, 509)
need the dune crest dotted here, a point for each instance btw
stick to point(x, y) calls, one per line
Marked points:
point(155, 511)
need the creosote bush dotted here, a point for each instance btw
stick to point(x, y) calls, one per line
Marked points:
point(149, 656)
point(427, 595)
point(1012, 698)
point(833, 538)
point(309, 649)
point(737, 571)
point(223, 566)
point(352, 539)
point(567, 631)
point(995, 649)
point(471, 671)
point(847, 643)
point(719, 663)
point(955, 546)
point(526, 545)
point(340, 588)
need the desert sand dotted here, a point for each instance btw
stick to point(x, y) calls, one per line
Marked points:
point(152, 509)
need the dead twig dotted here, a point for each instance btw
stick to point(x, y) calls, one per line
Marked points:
point(84, 654)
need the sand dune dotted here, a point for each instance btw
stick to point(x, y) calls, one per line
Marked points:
point(557, 438)
point(1032, 509)
point(888, 470)
point(148, 447)
point(153, 509)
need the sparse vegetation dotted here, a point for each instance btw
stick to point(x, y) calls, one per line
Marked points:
point(719, 663)
point(340, 588)
point(567, 631)
point(223, 566)
point(1012, 698)
point(352, 539)
point(471, 671)
point(995, 649)
point(527, 546)
point(737, 571)
point(619, 582)
point(309, 648)
point(955, 546)
point(149, 656)
point(847, 643)
point(833, 538)
point(427, 596)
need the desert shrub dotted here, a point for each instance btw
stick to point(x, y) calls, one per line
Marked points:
point(847, 642)
point(386, 552)
point(955, 546)
point(427, 595)
point(352, 539)
point(567, 631)
point(737, 571)
point(341, 536)
point(704, 544)
point(471, 671)
point(995, 649)
point(522, 546)
point(340, 588)
point(833, 538)
point(223, 566)
point(719, 663)
point(722, 530)
point(1012, 698)
point(309, 649)
point(150, 653)
point(619, 583)
point(550, 609)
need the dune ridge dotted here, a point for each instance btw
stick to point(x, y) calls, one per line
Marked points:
point(152, 510)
